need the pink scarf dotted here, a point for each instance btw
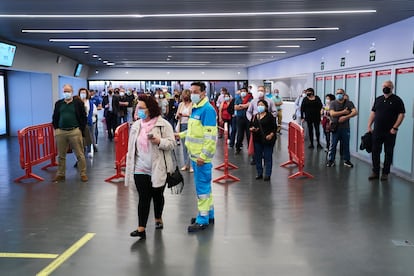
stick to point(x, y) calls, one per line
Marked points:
point(146, 127)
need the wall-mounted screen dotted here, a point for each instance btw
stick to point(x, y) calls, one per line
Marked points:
point(78, 69)
point(7, 52)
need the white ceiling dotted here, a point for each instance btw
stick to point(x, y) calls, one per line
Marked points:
point(191, 33)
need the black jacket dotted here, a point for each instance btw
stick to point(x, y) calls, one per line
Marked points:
point(366, 142)
point(79, 110)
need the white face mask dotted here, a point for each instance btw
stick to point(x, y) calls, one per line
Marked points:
point(121, 94)
point(260, 94)
point(157, 96)
point(161, 96)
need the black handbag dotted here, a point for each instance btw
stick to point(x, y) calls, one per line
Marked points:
point(175, 180)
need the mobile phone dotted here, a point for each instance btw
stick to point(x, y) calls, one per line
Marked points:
point(150, 135)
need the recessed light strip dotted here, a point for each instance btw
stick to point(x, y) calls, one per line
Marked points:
point(207, 47)
point(103, 40)
point(62, 31)
point(192, 15)
point(79, 47)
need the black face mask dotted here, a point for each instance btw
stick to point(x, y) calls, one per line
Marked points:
point(308, 94)
point(386, 90)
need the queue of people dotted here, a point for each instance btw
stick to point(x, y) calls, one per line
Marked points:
point(194, 121)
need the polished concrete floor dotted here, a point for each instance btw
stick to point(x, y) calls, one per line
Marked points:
point(337, 223)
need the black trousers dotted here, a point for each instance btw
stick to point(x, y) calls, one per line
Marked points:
point(311, 126)
point(242, 128)
point(146, 192)
point(111, 124)
point(378, 139)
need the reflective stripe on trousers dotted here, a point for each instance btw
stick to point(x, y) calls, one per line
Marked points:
point(202, 181)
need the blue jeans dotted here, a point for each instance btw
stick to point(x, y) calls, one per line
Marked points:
point(342, 134)
point(263, 151)
point(186, 157)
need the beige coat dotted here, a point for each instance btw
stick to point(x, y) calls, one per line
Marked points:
point(167, 144)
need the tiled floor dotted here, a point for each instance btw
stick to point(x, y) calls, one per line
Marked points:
point(335, 224)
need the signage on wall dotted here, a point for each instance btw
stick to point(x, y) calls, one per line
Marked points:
point(328, 78)
point(351, 76)
point(339, 77)
point(384, 72)
point(365, 75)
point(372, 55)
point(342, 62)
point(319, 78)
point(322, 66)
point(405, 70)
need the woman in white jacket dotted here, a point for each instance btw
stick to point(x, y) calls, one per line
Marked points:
point(149, 158)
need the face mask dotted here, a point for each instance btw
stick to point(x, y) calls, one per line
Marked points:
point(327, 102)
point(128, 93)
point(157, 96)
point(110, 92)
point(161, 96)
point(267, 93)
point(142, 114)
point(303, 94)
point(195, 98)
point(260, 108)
point(339, 97)
point(243, 94)
point(260, 94)
point(227, 99)
point(83, 96)
point(277, 94)
point(67, 95)
point(122, 94)
point(308, 94)
point(386, 90)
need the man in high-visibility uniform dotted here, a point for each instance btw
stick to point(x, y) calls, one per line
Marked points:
point(200, 140)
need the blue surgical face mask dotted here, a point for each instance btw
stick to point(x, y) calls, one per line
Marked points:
point(83, 96)
point(243, 94)
point(261, 108)
point(195, 98)
point(142, 114)
point(227, 99)
point(67, 95)
point(339, 97)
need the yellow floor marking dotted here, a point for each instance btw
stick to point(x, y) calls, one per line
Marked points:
point(28, 255)
point(66, 255)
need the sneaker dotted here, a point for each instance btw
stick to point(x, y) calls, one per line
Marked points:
point(348, 164)
point(142, 235)
point(159, 225)
point(384, 177)
point(373, 176)
point(330, 164)
point(266, 178)
point(210, 220)
point(58, 178)
point(84, 178)
point(195, 227)
point(237, 151)
point(90, 154)
point(319, 146)
point(311, 146)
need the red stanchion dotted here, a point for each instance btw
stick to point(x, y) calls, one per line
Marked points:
point(37, 145)
point(121, 148)
point(296, 150)
point(226, 165)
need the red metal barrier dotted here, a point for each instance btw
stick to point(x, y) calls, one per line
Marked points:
point(296, 149)
point(37, 145)
point(121, 149)
point(226, 165)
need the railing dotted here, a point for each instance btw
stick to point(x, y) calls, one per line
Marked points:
point(296, 149)
point(226, 165)
point(37, 145)
point(121, 149)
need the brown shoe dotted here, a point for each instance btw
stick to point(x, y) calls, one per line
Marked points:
point(373, 176)
point(384, 177)
point(58, 178)
point(84, 178)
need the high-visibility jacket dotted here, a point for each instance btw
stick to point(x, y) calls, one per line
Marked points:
point(200, 136)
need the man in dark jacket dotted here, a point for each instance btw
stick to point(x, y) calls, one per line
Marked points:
point(69, 121)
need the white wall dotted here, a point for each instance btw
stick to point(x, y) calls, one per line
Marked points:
point(392, 43)
point(168, 74)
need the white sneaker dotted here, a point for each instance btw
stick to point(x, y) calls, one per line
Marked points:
point(90, 154)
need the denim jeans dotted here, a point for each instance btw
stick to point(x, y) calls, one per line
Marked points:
point(342, 134)
point(263, 151)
